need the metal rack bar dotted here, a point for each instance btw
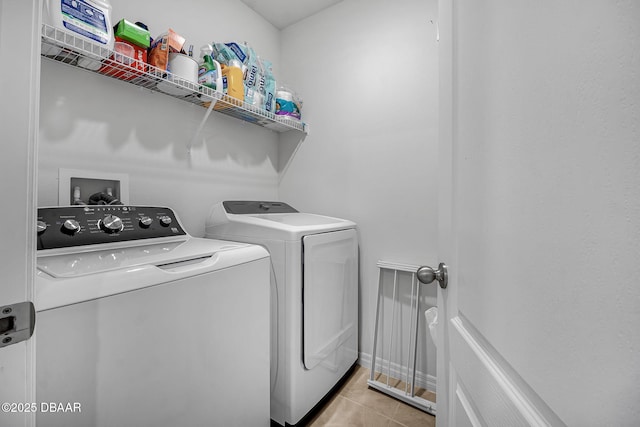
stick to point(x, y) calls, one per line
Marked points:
point(415, 337)
point(393, 320)
point(409, 395)
point(409, 345)
point(375, 335)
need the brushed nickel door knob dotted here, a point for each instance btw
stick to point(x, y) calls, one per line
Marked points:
point(427, 275)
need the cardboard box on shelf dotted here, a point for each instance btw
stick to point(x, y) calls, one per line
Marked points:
point(132, 33)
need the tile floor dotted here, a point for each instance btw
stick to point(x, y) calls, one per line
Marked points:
point(355, 404)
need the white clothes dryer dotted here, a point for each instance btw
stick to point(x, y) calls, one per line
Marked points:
point(139, 324)
point(314, 318)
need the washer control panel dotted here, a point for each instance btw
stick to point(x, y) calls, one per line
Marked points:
point(68, 226)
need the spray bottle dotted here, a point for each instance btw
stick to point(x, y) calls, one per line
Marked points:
point(209, 71)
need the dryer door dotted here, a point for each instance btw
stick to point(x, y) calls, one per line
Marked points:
point(330, 297)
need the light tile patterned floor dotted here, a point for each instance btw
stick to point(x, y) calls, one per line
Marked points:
point(355, 404)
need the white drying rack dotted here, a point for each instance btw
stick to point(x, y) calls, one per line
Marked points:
point(408, 395)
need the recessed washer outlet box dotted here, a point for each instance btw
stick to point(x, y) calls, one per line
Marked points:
point(75, 186)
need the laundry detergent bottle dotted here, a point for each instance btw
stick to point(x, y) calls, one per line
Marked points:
point(232, 78)
point(87, 20)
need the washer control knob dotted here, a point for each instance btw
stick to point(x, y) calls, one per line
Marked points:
point(70, 227)
point(165, 220)
point(145, 222)
point(111, 224)
point(41, 227)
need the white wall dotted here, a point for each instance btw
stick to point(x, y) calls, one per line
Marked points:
point(367, 72)
point(92, 122)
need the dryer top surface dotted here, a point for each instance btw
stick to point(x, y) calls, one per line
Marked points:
point(276, 226)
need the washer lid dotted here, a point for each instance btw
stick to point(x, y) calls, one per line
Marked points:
point(71, 278)
point(97, 259)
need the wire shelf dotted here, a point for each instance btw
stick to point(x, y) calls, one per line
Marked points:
point(65, 47)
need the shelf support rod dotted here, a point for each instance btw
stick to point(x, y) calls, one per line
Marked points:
point(201, 125)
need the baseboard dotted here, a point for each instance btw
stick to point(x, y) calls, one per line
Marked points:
point(398, 371)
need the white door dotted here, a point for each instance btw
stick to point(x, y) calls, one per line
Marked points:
point(540, 213)
point(19, 97)
point(330, 295)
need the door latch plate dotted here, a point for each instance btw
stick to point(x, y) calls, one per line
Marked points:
point(17, 322)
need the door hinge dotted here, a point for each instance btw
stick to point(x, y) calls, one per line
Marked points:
point(17, 322)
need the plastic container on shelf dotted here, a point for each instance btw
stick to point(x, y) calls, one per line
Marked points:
point(181, 69)
point(88, 20)
point(121, 63)
point(233, 82)
point(288, 104)
point(209, 71)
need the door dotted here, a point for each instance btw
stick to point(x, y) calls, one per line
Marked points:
point(329, 297)
point(19, 97)
point(540, 224)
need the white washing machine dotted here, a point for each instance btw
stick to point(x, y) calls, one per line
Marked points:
point(140, 324)
point(314, 340)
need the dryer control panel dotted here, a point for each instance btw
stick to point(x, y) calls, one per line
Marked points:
point(244, 207)
point(68, 226)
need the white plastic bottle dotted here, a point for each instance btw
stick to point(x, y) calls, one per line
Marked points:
point(85, 19)
point(209, 71)
point(232, 73)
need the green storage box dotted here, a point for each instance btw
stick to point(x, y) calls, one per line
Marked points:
point(132, 33)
